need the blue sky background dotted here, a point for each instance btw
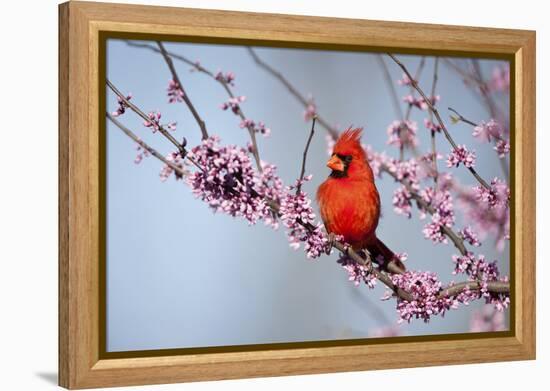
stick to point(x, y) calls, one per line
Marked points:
point(180, 276)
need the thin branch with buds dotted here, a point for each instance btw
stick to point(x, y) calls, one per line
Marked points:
point(304, 157)
point(168, 57)
point(451, 290)
point(184, 96)
point(430, 105)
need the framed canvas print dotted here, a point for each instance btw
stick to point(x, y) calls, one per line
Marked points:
point(247, 195)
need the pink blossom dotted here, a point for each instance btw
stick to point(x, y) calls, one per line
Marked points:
point(166, 171)
point(227, 78)
point(402, 133)
point(401, 201)
point(233, 104)
point(142, 153)
point(311, 110)
point(469, 236)
point(296, 211)
point(500, 80)
point(122, 106)
point(461, 155)
point(154, 121)
point(485, 132)
point(443, 216)
point(174, 91)
point(420, 102)
point(357, 272)
point(503, 148)
point(488, 210)
point(424, 288)
point(405, 80)
point(228, 182)
point(260, 127)
point(432, 126)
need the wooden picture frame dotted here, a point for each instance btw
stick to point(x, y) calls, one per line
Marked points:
point(81, 364)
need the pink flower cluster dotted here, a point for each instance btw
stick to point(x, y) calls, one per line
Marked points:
point(122, 106)
point(477, 268)
point(444, 216)
point(459, 155)
point(500, 80)
point(141, 153)
point(402, 133)
point(487, 131)
point(311, 110)
point(259, 127)
point(356, 272)
point(226, 78)
point(296, 211)
point(228, 181)
point(233, 104)
point(420, 102)
point(432, 126)
point(488, 210)
point(405, 80)
point(503, 148)
point(469, 236)
point(174, 91)
point(425, 289)
point(154, 122)
point(166, 171)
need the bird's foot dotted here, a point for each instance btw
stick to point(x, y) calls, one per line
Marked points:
point(330, 243)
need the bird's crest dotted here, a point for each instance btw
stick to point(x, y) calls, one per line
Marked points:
point(349, 142)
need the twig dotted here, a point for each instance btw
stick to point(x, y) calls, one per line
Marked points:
point(223, 83)
point(185, 97)
point(162, 130)
point(439, 120)
point(454, 289)
point(304, 157)
point(503, 165)
point(278, 75)
point(453, 236)
point(459, 117)
point(434, 151)
point(146, 146)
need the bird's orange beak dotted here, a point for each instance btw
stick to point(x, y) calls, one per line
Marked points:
point(335, 164)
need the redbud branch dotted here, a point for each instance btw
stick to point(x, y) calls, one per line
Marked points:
point(223, 83)
point(434, 151)
point(304, 157)
point(278, 75)
point(454, 289)
point(439, 120)
point(461, 118)
point(453, 236)
point(164, 132)
point(185, 97)
point(146, 146)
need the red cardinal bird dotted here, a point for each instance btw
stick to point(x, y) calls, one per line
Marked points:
point(349, 200)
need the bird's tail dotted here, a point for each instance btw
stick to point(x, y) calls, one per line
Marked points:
point(378, 248)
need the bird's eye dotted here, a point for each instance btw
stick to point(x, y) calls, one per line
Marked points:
point(345, 158)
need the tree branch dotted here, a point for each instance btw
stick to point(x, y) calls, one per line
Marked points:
point(304, 157)
point(146, 146)
point(438, 117)
point(185, 97)
point(223, 83)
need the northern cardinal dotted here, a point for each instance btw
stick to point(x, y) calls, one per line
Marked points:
point(349, 200)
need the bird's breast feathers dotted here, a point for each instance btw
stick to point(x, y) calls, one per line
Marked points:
point(350, 208)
